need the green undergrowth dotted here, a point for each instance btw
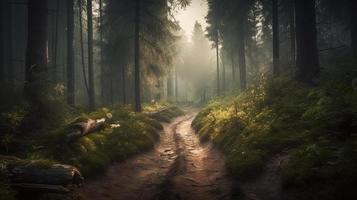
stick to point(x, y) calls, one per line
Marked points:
point(93, 153)
point(314, 126)
point(162, 112)
point(131, 134)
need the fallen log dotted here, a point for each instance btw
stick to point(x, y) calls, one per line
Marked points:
point(41, 188)
point(32, 175)
point(84, 128)
point(56, 174)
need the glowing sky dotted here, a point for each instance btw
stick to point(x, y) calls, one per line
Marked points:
point(187, 17)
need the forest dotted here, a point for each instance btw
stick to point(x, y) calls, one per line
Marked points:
point(178, 99)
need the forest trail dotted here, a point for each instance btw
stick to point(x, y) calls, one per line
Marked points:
point(179, 167)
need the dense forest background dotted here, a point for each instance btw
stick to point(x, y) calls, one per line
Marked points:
point(272, 76)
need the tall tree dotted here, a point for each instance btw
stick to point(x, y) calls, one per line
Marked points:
point(353, 26)
point(80, 8)
point(10, 65)
point(276, 41)
point(70, 53)
point(223, 73)
point(101, 50)
point(36, 53)
point(233, 66)
point(54, 59)
point(176, 84)
point(137, 86)
point(241, 40)
point(123, 79)
point(307, 60)
point(2, 41)
point(169, 85)
point(292, 31)
point(217, 60)
point(90, 54)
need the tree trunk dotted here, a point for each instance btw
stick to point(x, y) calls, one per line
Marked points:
point(36, 53)
point(276, 41)
point(123, 85)
point(353, 24)
point(169, 85)
point(223, 75)
point(137, 82)
point(70, 53)
point(241, 56)
point(2, 41)
point(31, 174)
point(217, 59)
point(292, 33)
point(90, 55)
point(176, 85)
point(84, 128)
point(233, 68)
point(54, 59)
point(102, 78)
point(10, 66)
point(242, 63)
point(307, 60)
point(242, 22)
point(82, 47)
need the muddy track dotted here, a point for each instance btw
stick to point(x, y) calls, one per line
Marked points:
point(179, 167)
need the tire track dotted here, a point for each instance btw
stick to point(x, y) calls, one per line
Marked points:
point(179, 167)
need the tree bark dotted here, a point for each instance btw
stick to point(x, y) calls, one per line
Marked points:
point(10, 66)
point(292, 33)
point(31, 174)
point(55, 43)
point(137, 82)
point(353, 24)
point(102, 72)
point(217, 59)
point(276, 41)
point(169, 85)
point(36, 53)
point(307, 60)
point(123, 79)
point(90, 55)
point(82, 47)
point(2, 41)
point(84, 128)
point(242, 22)
point(242, 63)
point(233, 67)
point(70, 53)
point(223, 75)
point(176, 85)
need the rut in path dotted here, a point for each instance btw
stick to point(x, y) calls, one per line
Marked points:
point(179, 168)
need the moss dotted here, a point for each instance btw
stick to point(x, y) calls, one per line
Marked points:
point(94, 152)
point(6, 193)
point(245, 164)
point(311, 125)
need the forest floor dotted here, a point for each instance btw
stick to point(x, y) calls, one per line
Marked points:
point(179, 167)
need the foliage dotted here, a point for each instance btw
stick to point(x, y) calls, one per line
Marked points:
point(94, 152)
point(314, 126)
point(6, 193)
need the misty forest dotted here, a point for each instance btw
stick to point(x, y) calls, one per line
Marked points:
point(178, 99)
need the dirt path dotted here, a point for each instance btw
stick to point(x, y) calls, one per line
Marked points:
point(178, 168)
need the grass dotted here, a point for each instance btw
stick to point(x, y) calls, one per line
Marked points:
point(312, 125)
point(91, 154)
